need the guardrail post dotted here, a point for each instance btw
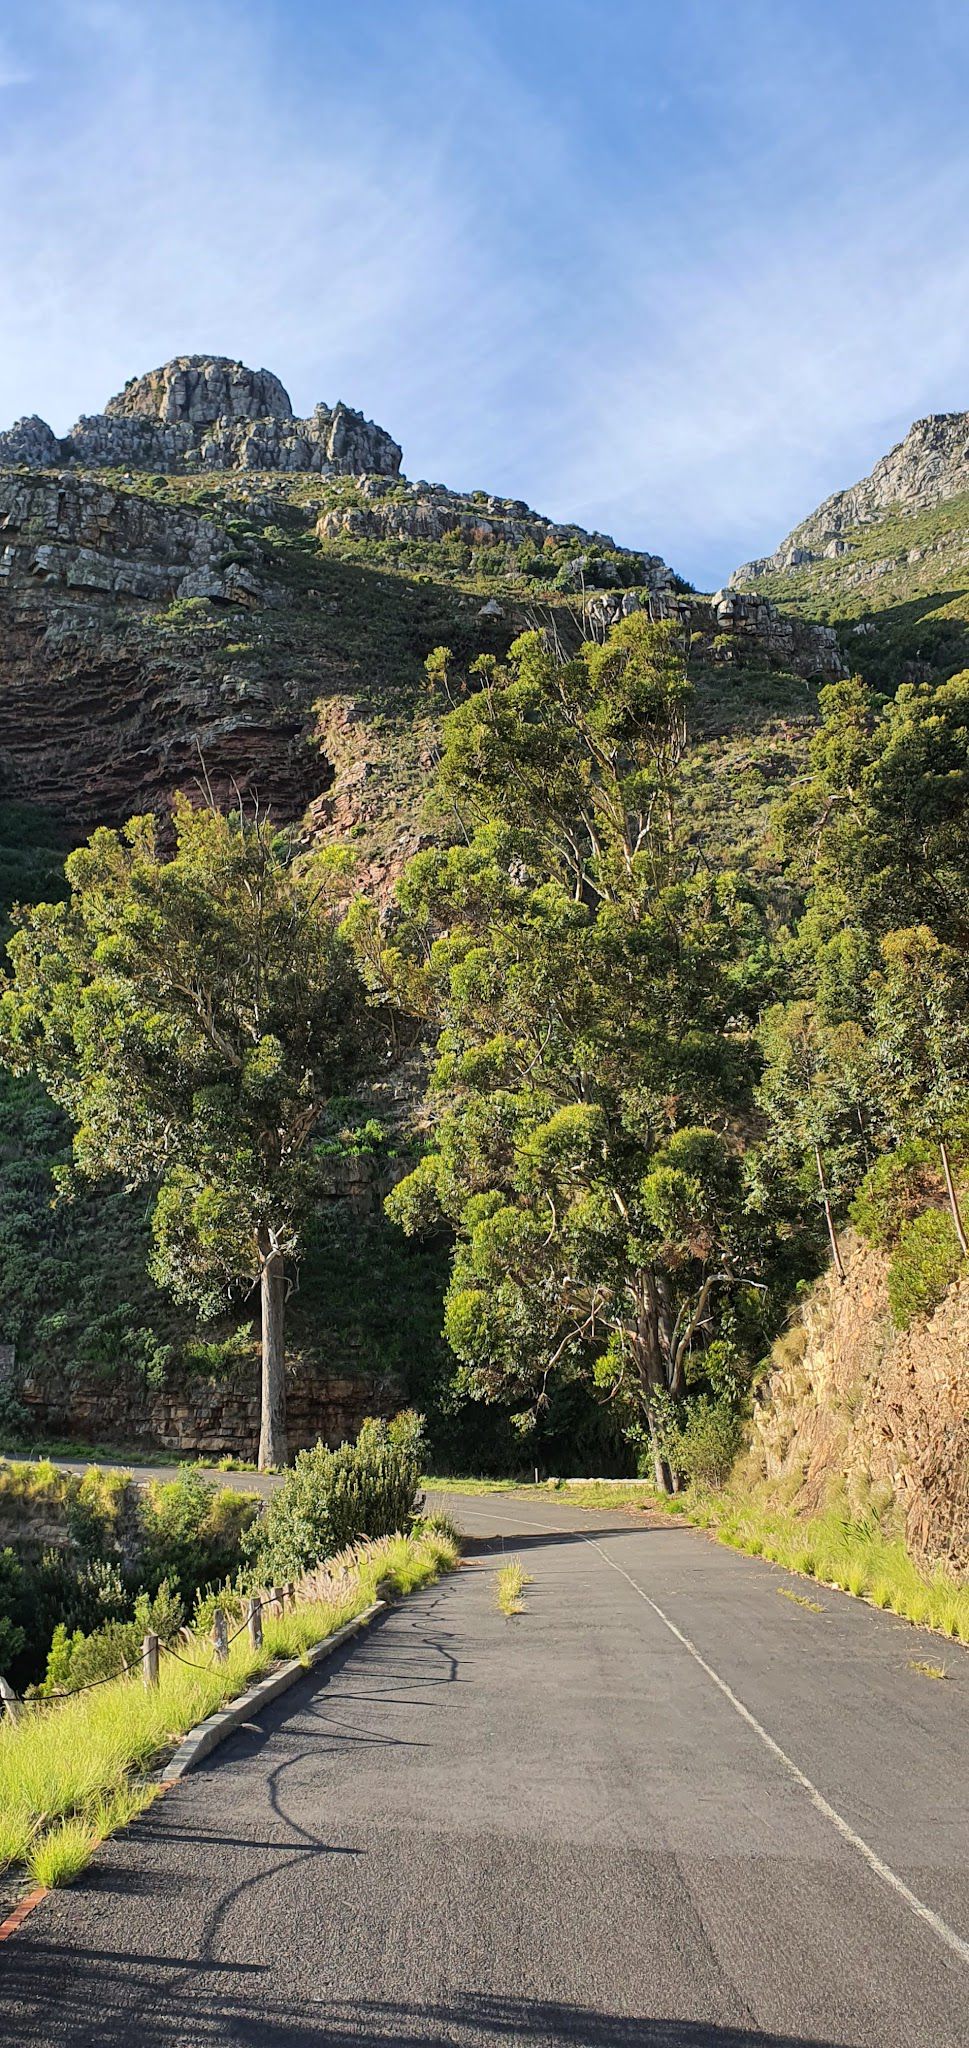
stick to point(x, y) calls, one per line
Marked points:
point(149, 1659)
point(254, 1618)
point(220, 1636)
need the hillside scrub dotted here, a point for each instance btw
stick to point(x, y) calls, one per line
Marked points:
point(72, 1770)
point(85, 1552)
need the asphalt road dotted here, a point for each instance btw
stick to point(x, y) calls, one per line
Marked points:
point(665, 1806)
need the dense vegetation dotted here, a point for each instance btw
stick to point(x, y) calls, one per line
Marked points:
point(635, 1146)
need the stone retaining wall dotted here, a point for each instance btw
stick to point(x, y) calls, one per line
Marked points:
point(210, 1418)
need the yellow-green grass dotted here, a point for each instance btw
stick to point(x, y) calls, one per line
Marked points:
point(586, 1493)
point(856, 1557)
point(82, 1760)
point(435, 1485)
point(596, 1493)
point(510, 1582)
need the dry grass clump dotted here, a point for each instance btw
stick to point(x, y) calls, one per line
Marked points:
point(510, 1583)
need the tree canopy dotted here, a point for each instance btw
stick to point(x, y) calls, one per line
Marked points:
point(194, 1008)
point(592, 989)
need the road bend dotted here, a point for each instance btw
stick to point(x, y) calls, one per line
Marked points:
point(668, 1805)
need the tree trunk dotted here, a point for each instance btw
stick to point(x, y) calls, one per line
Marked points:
point(953, 1200)
point(829, 1219)
point(661, 1470)
point(273, 1447)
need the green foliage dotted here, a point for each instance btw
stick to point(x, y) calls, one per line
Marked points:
point(926, 1260)
point(591, 994)
point(701, 1439)
point(191, 1533)
point(76, 1659)
point(898, 1188)
point(193, 1015)
point(331, 1499)
point(14, 1611)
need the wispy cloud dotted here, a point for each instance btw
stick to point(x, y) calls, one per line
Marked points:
point(680, 296)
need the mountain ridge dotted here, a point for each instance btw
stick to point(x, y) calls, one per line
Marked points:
point(928, 466)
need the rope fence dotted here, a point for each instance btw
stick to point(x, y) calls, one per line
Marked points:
point(275, 1600)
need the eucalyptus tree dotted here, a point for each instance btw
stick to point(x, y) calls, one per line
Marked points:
point(591, 989)
point(195, 1008)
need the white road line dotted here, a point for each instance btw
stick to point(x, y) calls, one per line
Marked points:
point(830, 1813)
point(888, 1876)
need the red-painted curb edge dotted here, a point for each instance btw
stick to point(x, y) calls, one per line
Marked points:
point(16, 1919)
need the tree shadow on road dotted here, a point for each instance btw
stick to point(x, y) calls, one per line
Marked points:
point(113, 2001)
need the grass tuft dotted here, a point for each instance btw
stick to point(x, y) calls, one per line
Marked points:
point(799, 1600)
point(510, 1583)
point(61, 1854)
point(926, 1670)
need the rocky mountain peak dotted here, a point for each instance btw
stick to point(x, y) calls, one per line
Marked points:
point(200, 390)
point(210, 413)
point(930, 465)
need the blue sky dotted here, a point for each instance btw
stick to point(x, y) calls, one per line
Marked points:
point(672, 270)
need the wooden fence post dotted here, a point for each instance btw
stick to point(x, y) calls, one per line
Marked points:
point(220, 1636)
point(254, 1618)
point(10, 1701)
point(149, 1659)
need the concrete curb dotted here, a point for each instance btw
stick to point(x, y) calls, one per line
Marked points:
point(207, 1735)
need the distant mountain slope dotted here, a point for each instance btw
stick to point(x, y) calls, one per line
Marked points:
point(196, 584)
point(886, 560)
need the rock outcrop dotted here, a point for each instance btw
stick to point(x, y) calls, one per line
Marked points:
point(737, 624)
point(929, 466)
point(858, 1408)
point(101, 711)
point(384, 509)
point(208, 413)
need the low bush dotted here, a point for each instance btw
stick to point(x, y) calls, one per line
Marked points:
point(77, 1659)
point(700, 1439)
point(926, 1260)
point(707, 1441)
point(331, 1499)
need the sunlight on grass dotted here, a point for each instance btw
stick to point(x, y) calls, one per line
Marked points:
point(70, 1771)
point(854, 1556)
point(814, 1606)
point(510, 1583)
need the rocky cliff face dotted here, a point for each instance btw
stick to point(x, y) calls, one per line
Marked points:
point(205, 412)
point(877, 1414)
point(194, 584)
point(930, 466)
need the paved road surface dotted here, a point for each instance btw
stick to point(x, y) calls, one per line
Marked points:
point(666, 1806)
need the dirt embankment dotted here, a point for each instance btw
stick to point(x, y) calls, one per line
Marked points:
point(877, 1416)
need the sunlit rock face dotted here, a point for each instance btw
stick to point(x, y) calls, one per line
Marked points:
point(209, 413)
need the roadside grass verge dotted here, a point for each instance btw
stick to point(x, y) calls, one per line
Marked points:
point(855, 1557)
point(73, 1771)
point(598, 1493)
point(437, 1485)
point(510, 1582)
